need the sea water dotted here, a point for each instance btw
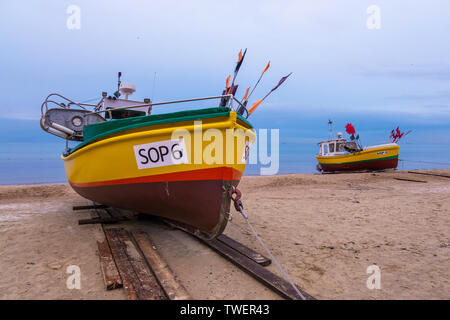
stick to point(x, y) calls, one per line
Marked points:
point(29, 156)
point(40, 162)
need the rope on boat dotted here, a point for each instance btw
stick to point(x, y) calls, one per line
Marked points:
point(239, 207)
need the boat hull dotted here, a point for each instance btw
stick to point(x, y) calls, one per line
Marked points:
point(380, 158)
point(193, 193)
point(204, 204)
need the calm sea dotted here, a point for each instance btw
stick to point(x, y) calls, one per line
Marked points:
point(28, 155)
point(40, 162)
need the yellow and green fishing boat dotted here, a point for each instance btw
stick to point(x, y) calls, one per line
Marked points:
point(183, 166)
point(336, 155)
point(180, 166)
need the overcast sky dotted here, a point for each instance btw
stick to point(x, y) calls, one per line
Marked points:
point(339, 65)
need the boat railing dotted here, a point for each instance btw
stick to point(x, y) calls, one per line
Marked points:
point(59, 101)
point(229, 97)
point(65, 103)
point(60, 129)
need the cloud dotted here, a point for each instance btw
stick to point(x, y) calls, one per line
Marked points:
point(20, 116)
point(421, 96)
point(429, 72)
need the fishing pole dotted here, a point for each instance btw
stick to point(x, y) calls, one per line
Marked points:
point(257, 103)
point(232, 89)
point(223, 101)
point(244, 100)
point(257, 82)
point(236, 69)
point(243, 105)
point(153, 89)
point(227, 82)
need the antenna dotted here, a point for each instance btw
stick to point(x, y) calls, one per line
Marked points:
point(117, 93)
point(153, 89)
point(330, 123)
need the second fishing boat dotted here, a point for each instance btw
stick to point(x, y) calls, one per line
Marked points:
point(337, 155)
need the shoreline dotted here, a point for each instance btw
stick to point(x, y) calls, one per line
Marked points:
point(252, 176)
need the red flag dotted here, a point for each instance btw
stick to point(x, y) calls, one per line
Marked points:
point(396, 135)
point(265, 69)
point(240, 60)
point(254, 106)
point(349, 128)
point(260, 77)
point(246, 94)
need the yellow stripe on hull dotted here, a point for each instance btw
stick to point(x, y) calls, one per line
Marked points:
point(361, 156)
point(113, 158)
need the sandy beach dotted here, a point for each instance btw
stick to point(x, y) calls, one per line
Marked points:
point(325, 231)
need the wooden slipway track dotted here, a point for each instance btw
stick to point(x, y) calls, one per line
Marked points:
point(129, 260)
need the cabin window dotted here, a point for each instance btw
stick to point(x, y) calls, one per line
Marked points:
point(331, 147)
point(338, 147)
point(325, 149)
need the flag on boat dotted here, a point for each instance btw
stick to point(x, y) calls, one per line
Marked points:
point(257, 82)
point(265, 69)
point(350, 129)
point(396, 134)
point(240, 60)
point(281, 82)
point(254, 106)
point(257, 103)
point(246, 94)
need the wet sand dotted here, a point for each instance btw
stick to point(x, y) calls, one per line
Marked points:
point(324, 229)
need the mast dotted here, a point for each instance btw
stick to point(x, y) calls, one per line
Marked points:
point(330, 123)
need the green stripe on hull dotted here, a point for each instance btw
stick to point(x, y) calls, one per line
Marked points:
point(100, 130)
point(385, 158)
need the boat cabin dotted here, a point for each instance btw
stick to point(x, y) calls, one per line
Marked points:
point(337, 147)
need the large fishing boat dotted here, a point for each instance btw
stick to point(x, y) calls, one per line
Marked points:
point(180, 165)
point(338, 154)
point(183, 166)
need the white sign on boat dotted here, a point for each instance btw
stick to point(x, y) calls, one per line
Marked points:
point(161, 153)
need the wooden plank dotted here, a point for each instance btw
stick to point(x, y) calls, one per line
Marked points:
point(95, 206)
point(102, 214)
point(429, 174)
point(109, 270)
point(166, 278)
point(129, 279)
point(150, 287)
point(137, 279)
point(117, 213)
point(261, 274)
point(114, 212)
point(246, 251)
point(411, 180)
point(102, 220)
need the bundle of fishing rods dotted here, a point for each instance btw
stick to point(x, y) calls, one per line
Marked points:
point(231, 89)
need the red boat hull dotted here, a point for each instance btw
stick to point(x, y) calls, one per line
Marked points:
point(381, 164)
